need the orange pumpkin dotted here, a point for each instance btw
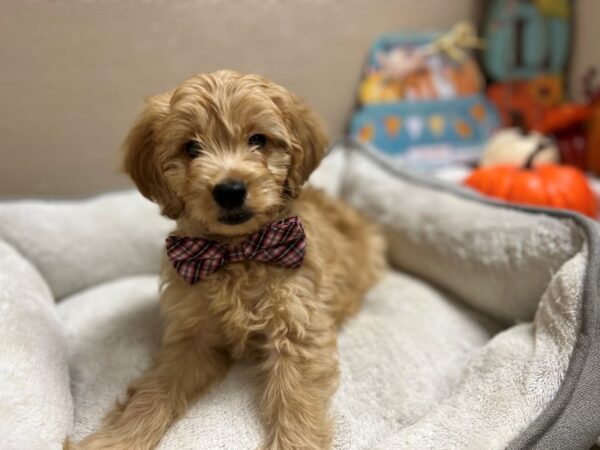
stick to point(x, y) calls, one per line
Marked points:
point(551, 185)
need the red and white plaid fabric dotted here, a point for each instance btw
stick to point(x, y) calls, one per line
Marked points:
point(282, 243)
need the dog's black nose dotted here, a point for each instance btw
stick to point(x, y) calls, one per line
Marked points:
point(230, 194)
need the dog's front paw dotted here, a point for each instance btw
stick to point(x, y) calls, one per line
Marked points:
point(69, 445)
point(104, 441)
point(284, 444)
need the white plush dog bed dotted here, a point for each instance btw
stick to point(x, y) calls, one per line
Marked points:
point(485, 334)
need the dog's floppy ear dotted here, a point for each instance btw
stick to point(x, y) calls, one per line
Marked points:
point(308, 140)
point(141, 161)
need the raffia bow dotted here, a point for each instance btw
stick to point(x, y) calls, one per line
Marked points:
point(461, 37)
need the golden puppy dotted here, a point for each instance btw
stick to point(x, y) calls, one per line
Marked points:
point(226, 156)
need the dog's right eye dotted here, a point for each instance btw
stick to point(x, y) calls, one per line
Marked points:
point(257, 140)
point(193, 148)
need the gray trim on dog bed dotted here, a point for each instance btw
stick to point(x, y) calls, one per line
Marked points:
point(572, 419)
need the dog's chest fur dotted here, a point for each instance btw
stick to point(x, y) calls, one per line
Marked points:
point(251, 303)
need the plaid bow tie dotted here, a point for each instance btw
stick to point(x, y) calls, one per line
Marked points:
point(282, 243)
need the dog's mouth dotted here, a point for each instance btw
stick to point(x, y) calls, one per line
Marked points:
point(236, 217)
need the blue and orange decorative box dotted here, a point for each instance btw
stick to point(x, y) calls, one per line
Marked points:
point(420, 100)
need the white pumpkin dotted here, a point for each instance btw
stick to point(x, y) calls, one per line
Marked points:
point(513, 147)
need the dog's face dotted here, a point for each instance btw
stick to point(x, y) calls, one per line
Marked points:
point(224, 150)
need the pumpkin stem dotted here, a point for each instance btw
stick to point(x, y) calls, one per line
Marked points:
point(529, 162)
point(517, 121)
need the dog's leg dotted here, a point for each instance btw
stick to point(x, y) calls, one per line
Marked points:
point(183, 369)
point(301, 378)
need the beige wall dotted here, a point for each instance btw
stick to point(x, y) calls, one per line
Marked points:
point(73, 73)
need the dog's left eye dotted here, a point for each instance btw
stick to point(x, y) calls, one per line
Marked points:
point(193, 148)
point(257, 140)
